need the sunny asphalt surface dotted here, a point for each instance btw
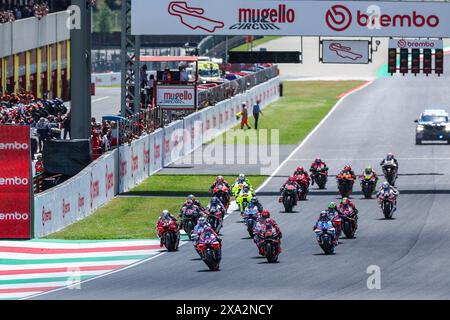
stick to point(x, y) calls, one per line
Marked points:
point(412, 250)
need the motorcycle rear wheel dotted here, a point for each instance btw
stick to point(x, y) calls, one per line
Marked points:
point(271, 255)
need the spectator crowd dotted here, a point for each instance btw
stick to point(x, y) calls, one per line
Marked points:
point(36, 9)
point(48, 117)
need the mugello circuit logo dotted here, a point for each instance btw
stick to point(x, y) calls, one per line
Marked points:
point(340, 18)
point(193, 17)
point(264, 18)
point(271, 18)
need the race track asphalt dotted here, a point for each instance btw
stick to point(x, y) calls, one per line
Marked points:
point(412, 250)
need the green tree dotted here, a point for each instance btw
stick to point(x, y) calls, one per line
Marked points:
point(105, 20)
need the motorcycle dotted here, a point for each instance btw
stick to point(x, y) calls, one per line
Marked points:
point(190, 221)
point(304, 184)
point(320, 177)
point(345, 185)
point(387, 201)
point(390, 172)
point(337, 223)
point(269, 243)
point(349, 223)
point(236, 189)
point(243, 199)
point(221, 191)
point(250, 217)
point(325, 234)
point(170, 234)
point(215, 218)
point(289, 197)
point(368, 185)
point(210, 249)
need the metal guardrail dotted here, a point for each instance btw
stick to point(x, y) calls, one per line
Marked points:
point(148, 120)
point(227, 90)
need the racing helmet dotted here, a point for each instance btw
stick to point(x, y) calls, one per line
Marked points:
point(385, 185)
point(191, 197)
point(189, 202)
point(368, 170)
point(219, 179)
point(254, 200)
point(214, 200)
point(300, 169)
point(165, 213)
point(345, 201)
point(347, 168)
point(207, 231)
point(390, 156)
point(265, 214)
point(318, 160)
point(292, 178)
point(323, 215)
point(241, 177)
point(332, 205)
point(201, 221)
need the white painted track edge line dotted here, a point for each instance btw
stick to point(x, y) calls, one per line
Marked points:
point(312, 132)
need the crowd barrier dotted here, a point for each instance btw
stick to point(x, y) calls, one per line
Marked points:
point(124, 168)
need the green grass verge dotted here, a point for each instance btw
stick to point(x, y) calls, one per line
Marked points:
point(122, 218)
point(302, 107)
point(184, 185)
point(135, 217)
point(257, 42)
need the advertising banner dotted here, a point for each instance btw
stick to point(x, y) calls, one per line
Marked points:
point(192, 132)
point(345, 51)
point(124, 168)
point(221, 110)
point(291, 18)
point(15, 182)
point(416, 44)
point(156, 149)
point(173, 142)
point(175, 97)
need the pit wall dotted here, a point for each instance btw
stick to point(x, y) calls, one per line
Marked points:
point(122, 169)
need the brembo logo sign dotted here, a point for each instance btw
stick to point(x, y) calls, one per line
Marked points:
point(340, 18)
point(14, 146)
point(15, 182)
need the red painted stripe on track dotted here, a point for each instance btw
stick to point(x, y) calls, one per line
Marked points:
point(75, 250)
point(354, 89)
point(19, 290)
point(52, 270)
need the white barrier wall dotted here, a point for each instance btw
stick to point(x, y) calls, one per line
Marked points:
point(124, 168)
point(134, 163)
point(76, 198)
point(156, 151)
point(173, 142)
point(192, 132)
point(106, 79)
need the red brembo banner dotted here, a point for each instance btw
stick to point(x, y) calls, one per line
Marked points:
point(15, 191)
